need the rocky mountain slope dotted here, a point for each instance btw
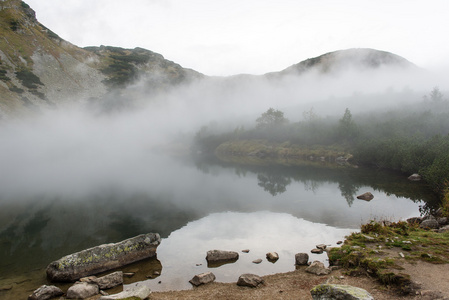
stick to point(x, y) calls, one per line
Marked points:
point(39, 69)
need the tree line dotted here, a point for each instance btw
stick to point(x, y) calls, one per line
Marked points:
point(410, 139)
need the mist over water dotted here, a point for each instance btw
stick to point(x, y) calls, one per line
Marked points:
point(78, 149)
point(102, 171)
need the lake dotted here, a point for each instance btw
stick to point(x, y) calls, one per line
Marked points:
point(197, 205)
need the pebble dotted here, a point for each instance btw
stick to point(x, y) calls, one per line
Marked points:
point(245, 251)
point(257, 261)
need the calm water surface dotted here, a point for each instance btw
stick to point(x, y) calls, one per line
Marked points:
point(197, 206)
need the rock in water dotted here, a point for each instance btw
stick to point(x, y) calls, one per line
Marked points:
point(250, 280)
point(301, 259)
point(45, 292)
point(272, 256)
point(202, 278)
point(220, 256)
point(104, 257)
point(317, 268)
point(366, 196)
point(337, 291)
point(105, 282)
point(82, 290)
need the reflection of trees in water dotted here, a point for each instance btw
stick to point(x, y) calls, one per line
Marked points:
point(273, 183)
point(348, 191)
point(311, 185)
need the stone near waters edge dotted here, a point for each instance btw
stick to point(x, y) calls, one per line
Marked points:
point(138, 290)
point(202, 278)
point(45, 292)
point(337, 291)
point(107, 281)
point(301, 259)
point(250, 280)
point(102, 258)
point(317, 268)
point(82, 290)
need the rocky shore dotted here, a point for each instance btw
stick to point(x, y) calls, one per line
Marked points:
point(384, 255)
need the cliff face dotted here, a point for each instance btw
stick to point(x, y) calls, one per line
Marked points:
point(39, 69)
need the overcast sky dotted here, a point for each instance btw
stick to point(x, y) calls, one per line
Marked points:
point(253, 36)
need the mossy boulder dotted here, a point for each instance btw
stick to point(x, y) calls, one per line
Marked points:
point(103, 258)
point(338, 291)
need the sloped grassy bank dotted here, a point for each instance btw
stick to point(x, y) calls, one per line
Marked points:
point(262, 149)
point(381, 249)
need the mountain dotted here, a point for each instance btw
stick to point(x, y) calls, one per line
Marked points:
point(358, 59)
point(39, 69)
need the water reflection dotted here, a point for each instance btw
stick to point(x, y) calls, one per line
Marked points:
point(39, 228)
point(183, 253)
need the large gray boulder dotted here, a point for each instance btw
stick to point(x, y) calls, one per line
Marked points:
point(202, 278)
point(82, 290)
point(137, 290)
point(103, 258)
point(45, 292)
point(337, 291)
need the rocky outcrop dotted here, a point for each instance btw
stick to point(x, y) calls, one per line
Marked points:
point(337, 291)
point(82, 290)
point(301, 259)
point(104, 257)
point(45, 292)
point(366, 196)
point(317, 268)
point(250, 280)
point(202, 278)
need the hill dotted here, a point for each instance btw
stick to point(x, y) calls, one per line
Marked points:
point(39, 69)
point(357, 59)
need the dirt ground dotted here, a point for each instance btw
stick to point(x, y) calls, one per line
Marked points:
point(297, 284)
point(430, 280)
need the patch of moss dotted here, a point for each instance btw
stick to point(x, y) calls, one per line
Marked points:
point(28, 79)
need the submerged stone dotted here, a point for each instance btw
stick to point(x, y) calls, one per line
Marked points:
point(103, 258)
